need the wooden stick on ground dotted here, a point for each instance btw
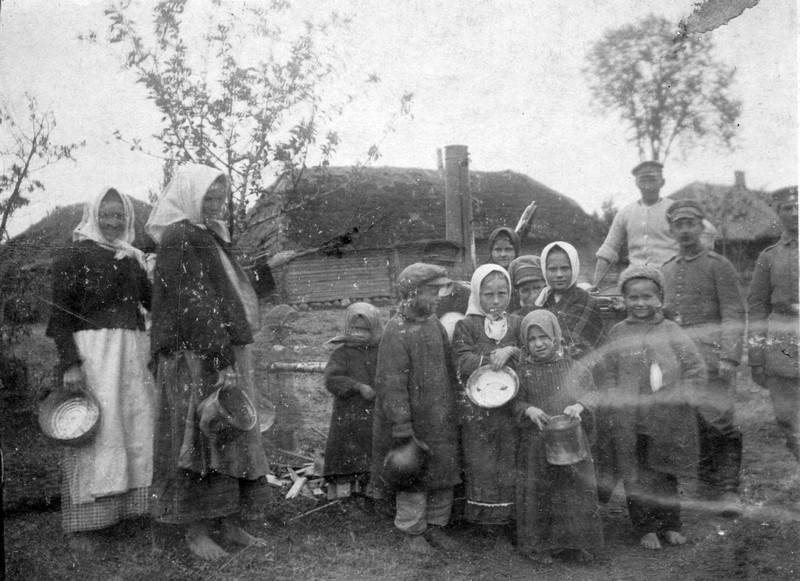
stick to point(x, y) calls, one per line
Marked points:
point(314, 510)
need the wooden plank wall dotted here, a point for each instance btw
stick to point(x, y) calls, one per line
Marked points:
point(358, 274)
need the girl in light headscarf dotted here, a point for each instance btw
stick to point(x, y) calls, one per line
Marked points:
point(100, 291)
point(577, 311)
point(487, 336)
point(350, 377)
point(557, 509)
point(205, 312)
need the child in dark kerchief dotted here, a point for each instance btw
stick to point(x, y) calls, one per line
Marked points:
point(350, 377)
point(487, 336)
point(654, 377)
point(557, 510)
point(415, 409)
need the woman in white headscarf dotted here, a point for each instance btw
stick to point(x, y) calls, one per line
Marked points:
point(100, 291)
point(488, 336)
point(577, 311)
point(205, 311)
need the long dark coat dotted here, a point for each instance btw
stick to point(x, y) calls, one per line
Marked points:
point(415, 385)
point(349, 446)
point(667, 416)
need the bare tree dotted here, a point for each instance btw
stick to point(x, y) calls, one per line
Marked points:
point(667, 89)
point(25, 149)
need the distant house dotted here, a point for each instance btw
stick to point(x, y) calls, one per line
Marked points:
point(382, 214)
point(745, 222)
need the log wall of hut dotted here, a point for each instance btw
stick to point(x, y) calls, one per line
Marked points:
point(357, 274)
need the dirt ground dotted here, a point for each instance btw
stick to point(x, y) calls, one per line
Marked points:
point(351, 540)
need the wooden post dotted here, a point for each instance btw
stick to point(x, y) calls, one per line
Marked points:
point(458, 205)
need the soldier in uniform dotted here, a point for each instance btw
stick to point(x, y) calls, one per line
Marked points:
point(702, 295)
point(774, 329)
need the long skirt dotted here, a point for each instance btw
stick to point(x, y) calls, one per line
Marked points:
point(107, 480)
point(489, 441)
point(557, 506)
point(198, 478)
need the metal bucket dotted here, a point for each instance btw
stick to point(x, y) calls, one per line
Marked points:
point(227, 413)
point(564, 441)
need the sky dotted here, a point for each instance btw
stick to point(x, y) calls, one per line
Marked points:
point(503, 77)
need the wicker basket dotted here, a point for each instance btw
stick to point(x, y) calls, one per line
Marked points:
point(69, 417)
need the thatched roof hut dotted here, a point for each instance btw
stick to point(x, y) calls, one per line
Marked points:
point(389, 206)
point(745, 222)
point(739, 214)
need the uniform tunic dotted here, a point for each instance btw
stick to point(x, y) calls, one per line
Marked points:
point(489, 436)
point(702, 295)
point(556, 506)
point(773, 310)
point(415, 383)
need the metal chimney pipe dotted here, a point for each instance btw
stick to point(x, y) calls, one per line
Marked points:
point(458, 202)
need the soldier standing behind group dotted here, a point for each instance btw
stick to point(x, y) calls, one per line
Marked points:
point(774, 328)
point(702, 295)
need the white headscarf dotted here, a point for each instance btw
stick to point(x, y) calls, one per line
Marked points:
point(495, 328)
point(574, 261)
point(89, 228)
point(183, 200)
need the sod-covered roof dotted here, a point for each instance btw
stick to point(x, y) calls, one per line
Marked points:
point(389, 205)
point(737, 213)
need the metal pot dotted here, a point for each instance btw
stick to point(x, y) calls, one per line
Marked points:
point(227, 413)
point(564, 441)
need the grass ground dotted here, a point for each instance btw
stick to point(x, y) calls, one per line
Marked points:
point(349, 541)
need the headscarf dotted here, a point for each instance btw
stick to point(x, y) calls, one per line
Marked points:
point(89, 228)
point(371, 315)
point(183, 200)
point(495, 329)
point(574, 261)
point(547, 322)
point(525, 268)
point(508, 233)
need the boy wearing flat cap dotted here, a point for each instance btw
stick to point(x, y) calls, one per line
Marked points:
point(774, 324)
point(702, 295)
point(416, 401)
point(454, 298)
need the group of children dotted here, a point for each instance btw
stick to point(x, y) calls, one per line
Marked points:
point(649, 374)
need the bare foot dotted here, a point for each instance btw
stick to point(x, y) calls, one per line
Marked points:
point(233, 533)
point(674, 538)
point(543, 557)
point(201, 544)
point(583, 556)
point(417, 544)
point(650, 541)
point(82, 543)
point(438, 538)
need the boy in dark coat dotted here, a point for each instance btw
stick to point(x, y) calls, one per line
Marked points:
point(416, 401)
point(654, 377)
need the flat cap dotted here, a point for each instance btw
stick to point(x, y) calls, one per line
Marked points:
point(443, 250)
point(648, 168)
point(419, 274)
point(685, 209)
point(525, 268)
point(784, 195)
